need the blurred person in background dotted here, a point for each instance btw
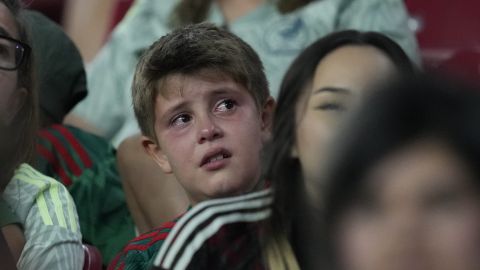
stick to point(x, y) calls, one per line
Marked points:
point(87, 22)
point(403, 190)
point(277, 30)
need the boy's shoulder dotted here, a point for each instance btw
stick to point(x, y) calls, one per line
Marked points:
point(219, 234)
point(140, 251)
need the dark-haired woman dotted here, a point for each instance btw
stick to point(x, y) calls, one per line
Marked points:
point(44, 207)
point(320, 89)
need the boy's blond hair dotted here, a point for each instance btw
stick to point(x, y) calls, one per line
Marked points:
point(189, 51)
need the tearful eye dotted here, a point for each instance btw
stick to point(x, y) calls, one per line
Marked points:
point(226, 105)
point(180, 120)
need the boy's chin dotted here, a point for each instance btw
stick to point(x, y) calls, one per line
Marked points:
point(231, 188)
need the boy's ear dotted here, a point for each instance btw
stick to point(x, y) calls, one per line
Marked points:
point(267, 118)
point(157, 154)
point(16, 102)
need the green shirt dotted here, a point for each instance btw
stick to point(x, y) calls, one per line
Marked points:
point(86, 165)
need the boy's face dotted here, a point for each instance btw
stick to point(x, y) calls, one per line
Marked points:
point(210, 134)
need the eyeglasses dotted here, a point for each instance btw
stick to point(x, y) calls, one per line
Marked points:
point(12, 53)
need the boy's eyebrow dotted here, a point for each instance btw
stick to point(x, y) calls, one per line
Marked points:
point(330, 89)
point(221, 91)
point(174, 108)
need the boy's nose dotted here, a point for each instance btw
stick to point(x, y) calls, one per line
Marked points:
point(209, 132)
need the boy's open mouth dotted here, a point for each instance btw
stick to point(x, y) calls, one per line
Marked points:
point(215, 155)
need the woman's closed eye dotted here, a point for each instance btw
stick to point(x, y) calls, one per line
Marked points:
point(180, 120)
point(331, 106)
point(446, 199)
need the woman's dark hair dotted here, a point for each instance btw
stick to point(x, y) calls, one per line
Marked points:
point(195, 11)
point(282, 169)
point(18, 139)
point(391, 118)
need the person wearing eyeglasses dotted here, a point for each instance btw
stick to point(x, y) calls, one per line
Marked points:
point(12, 92)
point(45, 210)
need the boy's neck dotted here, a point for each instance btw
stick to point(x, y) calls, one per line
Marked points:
point(261, 184)
point(234, 9)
